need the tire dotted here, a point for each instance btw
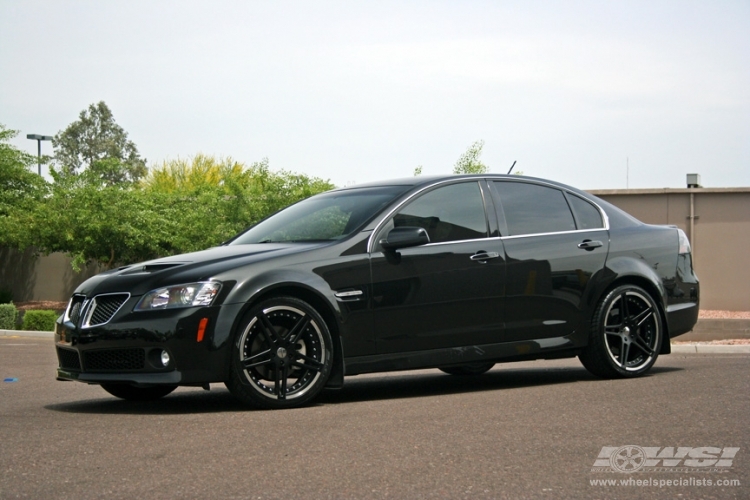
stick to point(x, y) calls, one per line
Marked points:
point(626, 334)
point(133, 393)
point(477, 368)
point(282, 355)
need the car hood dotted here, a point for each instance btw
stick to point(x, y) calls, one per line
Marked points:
point(140, 278)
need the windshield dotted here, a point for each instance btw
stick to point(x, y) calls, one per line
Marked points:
point(325, 217)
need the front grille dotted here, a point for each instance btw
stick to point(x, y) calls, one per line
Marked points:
point(104, 308)
point(115, 360)
point(74, 310)
point(69, 360)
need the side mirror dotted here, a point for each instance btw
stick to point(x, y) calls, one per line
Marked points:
point(403, 237)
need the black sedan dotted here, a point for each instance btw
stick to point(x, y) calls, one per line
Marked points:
point(456, 273)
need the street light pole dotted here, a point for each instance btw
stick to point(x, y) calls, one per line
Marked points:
point(39, 138)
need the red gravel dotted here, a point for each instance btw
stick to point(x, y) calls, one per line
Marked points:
point(723, 314)
point(41, 304)
point(714, 342)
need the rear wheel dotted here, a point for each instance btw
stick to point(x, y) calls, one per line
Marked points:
point(282, 355)
point(626, 334)
point(133, 393)
point(468, 369)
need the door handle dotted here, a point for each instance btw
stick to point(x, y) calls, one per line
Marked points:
point(482, 256)
point(589, 245)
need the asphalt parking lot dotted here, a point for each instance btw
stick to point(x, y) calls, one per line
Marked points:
point(524, 430)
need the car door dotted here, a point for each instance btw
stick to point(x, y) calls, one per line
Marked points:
point(554, 242)
point(447, 293)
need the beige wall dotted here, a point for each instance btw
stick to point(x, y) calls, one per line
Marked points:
point(720, 238)
point(37, 277)
point(720, 242)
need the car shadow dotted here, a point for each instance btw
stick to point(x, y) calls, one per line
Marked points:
point(436, 383)
point(401, 385)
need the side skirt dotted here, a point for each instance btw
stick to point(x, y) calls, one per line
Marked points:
point(551, 348)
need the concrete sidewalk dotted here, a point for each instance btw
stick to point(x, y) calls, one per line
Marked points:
point(692, 348)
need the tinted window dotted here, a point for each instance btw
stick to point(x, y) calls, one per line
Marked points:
point(448, 213)
point(327, 216)
point(587, 215)
point(531, 209)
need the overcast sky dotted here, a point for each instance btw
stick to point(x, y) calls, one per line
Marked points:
point(353, 91)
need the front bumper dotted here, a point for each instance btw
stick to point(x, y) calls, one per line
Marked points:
point(128, 348)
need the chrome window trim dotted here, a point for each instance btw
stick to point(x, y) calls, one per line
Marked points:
point(478, 179)
point(439, 243)
point(577, 231)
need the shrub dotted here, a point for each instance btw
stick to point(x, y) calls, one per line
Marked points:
point(8, 315)
point(40, 320)
point(6, 296)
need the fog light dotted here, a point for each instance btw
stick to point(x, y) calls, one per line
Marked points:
point(165, 358)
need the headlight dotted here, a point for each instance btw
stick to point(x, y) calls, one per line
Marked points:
point(171, 297)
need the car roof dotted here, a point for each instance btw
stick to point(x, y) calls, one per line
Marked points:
point(616, 215)
point(424, 180)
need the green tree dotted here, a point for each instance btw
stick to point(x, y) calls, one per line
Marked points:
point(182, 206)
point(96, 144)
point(469, 162)
point(20, 189)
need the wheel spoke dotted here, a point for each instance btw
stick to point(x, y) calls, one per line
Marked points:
point(280, 374)
point(307, 367)
point(254, 359)
point(641, 344)
point(613, 330)
point(624, 309)
point(298, 329)
point(624, 352)
point(276, 381)
point(317, 365)
point(284, 376)
point(641, 317)
point(268, 329)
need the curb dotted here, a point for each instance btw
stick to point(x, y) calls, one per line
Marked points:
point(676, 348)
point(26, 333)
point(707, 329)
point(710, 349)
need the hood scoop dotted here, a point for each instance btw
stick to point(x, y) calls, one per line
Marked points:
point(152, 268)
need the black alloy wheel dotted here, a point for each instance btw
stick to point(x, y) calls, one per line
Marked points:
point(626, 334)
point(282, 355)
point(134, 393)
point(477, 368)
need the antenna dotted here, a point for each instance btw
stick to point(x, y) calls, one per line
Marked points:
point(511, 168)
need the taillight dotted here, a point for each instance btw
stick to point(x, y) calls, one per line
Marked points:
point(684, 242)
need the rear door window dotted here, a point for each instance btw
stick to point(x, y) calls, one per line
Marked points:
point(587, 215)
point(534, 209)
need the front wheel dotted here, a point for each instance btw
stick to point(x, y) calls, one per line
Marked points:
point(282, 354)
point(626, 334)
point(133, 393)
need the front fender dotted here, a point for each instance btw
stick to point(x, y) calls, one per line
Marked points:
point(248, 292)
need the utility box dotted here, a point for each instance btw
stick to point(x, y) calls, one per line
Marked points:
point(694, 180)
